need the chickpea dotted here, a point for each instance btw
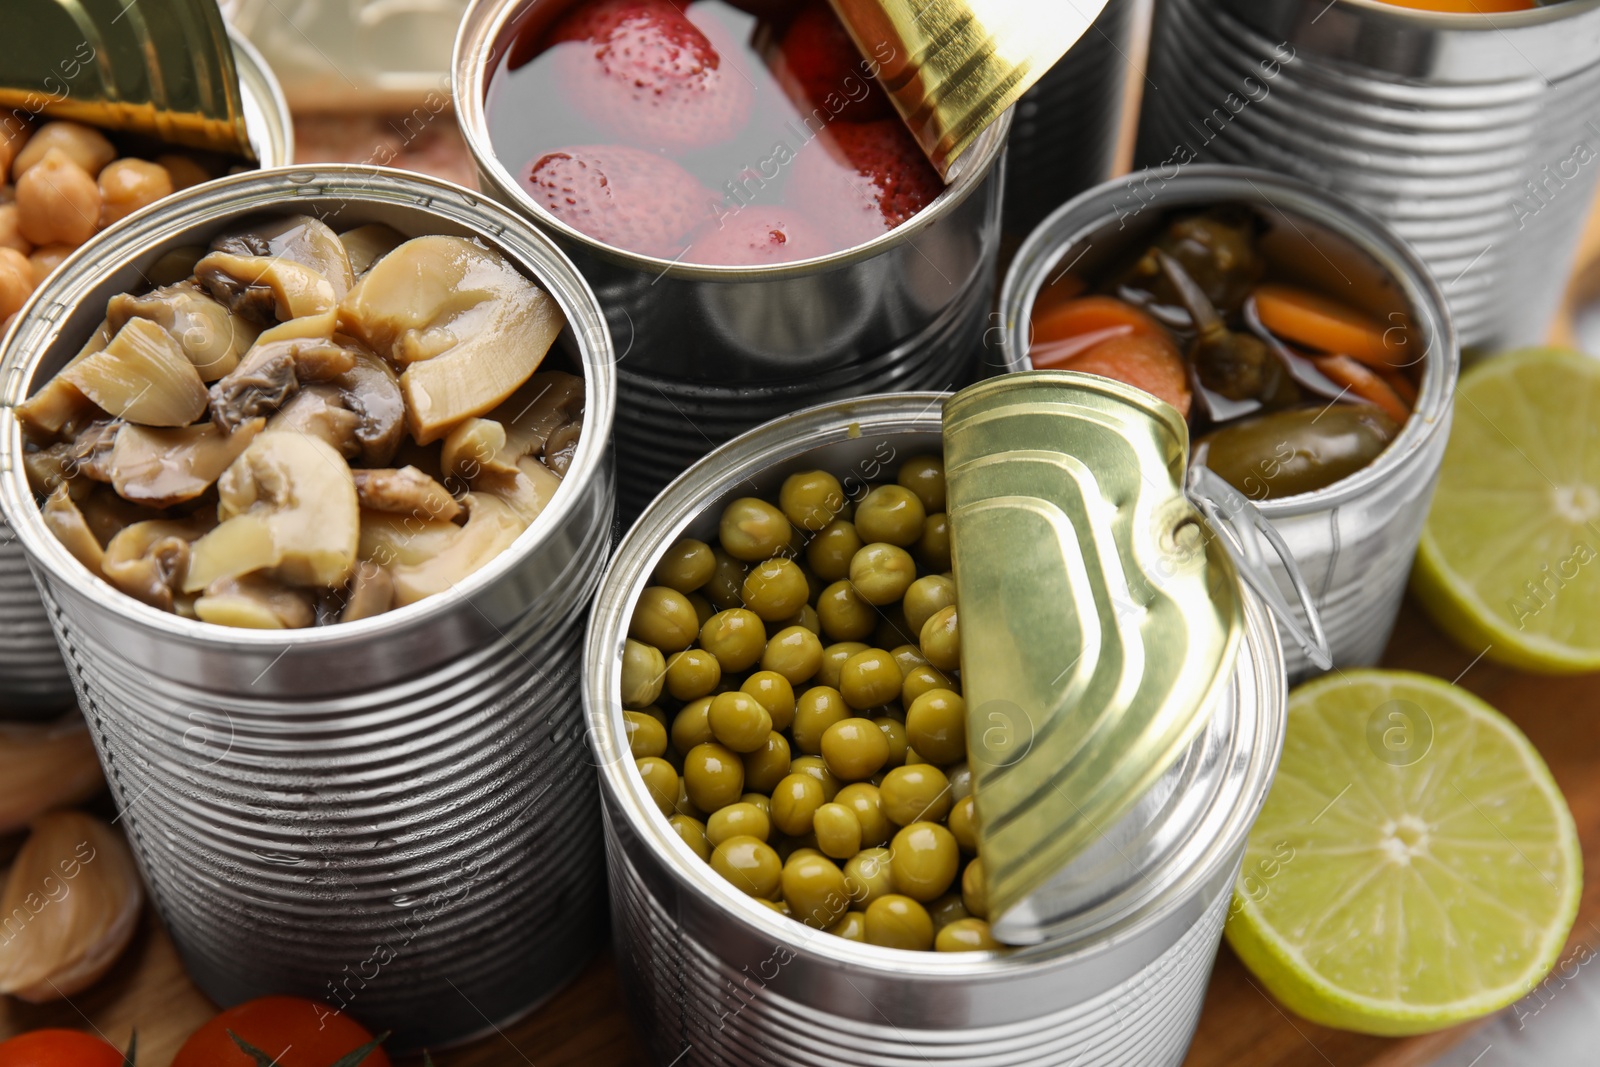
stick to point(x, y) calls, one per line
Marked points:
point(45, 259)
point(127, 185)
point(84, 145)
point(57, 201)
point(10, 234)
point(183, 170)
point(16, 281)
point(14, 133)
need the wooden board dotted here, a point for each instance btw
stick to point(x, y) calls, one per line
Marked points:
point(587, 1025)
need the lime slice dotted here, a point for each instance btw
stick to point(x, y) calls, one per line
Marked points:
point(1510, 554)
point(1415, 864)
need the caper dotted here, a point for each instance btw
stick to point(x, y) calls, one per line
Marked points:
point(936, 726)
point(713, 775)
point(738, 820)
point(924, 859)
point(915, 792)
point(933, 547)
point(867, 876)
point(795, 801)
point(869, 678)
point(693, 834)
point(863, 799)
point(946, 910)
point(663, 617)
point(974, 890)
point(941, 639)
point(853, 927)
point(1296, 451)
point(739, 721)
point(753, 530)
point(661, 781)
point(834, 657)
point(815, 891)
point(844, 615)
point(837, 829)
point(966, 935)
point(831, 551)
point(924, 597)
point(817, 767)
point(794, 652)
point(890, 513)
point(924, 476)
point(774, 693)
point(894, 732)
point(896, 921)
point(726, 586)
point(646, 735)
point(750, 864)
point(692, 674)
point(692, 726)
point(737, 637)
point(963, 823)
point(921, 679)
point(811, 499)
point(644, 670)
point(881, 573)
point(775, 589)
point(814, 711)
point(854, 749)
point(685, 566)
point(768, 765)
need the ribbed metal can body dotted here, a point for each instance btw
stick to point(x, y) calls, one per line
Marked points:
point(1064, 130)
point(1354, 540)
point(394, 816)
point(713, 977)
point(1477, 138)
point(33, 681)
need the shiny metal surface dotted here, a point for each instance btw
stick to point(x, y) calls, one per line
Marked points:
point(1476, 137)
point(1354, 540)
point(395, 814)
point(714, 977)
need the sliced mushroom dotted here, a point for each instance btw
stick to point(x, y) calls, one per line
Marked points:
point(300, 238)
point(165, 467)
point(175, 264)
point(90, 452)
point(406, 491)
point(270, 374)
point(372, 391)
point(320, 327)
point(529, 492)
point(255, 603)
point(562, 446)
point(263, 289)
point(492, 525)
point(477, 449)
point(58, 402)
point(63, 519)
point(371, 593)
point(288, 510)
point(367, 244)
point(108, 514)
point(149, 560)
point(319, 410)
point(143, 376)
point(547, 404)
point(211, 337)
point(390, 539)
point(468, 326)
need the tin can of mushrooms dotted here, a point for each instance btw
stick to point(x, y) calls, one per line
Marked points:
point(706, 352)
point(33, 681)
point(1353, 541)
point(396, 816)
point(1477, 137)
point(715, 977)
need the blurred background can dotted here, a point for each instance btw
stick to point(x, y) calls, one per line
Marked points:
point(396, 816)
point(1354, 540)
point(713, 977)
point(33, 681)
point(1476, 137)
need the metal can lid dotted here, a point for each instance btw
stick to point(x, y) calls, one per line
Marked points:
point(1100, 619)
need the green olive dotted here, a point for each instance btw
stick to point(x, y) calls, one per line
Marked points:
point(925, 597)
point(693, 834)
point(646, 735)
point(713, 775)
point(853, 927)
point(774, 693)
point(643, 671)
point(685, 566)
point(869, 679)
point(834, 657)
point(768, 765)
point(854, 749)
point(946, 910)
point(920, 680)
point(692, 726)
point(974, 890)
point(726, 587)
point(692, 674)
point(941, 639)
point(924, 859)
point(963, 823)
point(936, 726)
point(811, 499)
point(815, 891)
point(933, 547)
point(890, 513)
point(775, 589)
point(838, 831)
point(736, 637)
point(814, 711)
point(867, 876)
point(795, 653)
point(894, 732)
point(864, 799)
point(915, 792)
point(1299, 450)
point(703, 608)
point(844, 615)
point(881, 573)
point(753, 530)
point(817, 767)
point(664, 617)
point(738, 820)
point(661, 781)
point(795, 801)
point(896, 921)
point(924, 476)
point(966, 935)
point(750, 864)
point(739, 721)
point(831, 551)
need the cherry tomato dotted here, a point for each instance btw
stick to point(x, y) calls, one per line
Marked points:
point(298, 1033)
point(58, 1048)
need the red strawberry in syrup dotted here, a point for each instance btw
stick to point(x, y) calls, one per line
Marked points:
point(641, 69)
point(863, 177)
point(759, 236)
point(628, 198)
point(831, 74)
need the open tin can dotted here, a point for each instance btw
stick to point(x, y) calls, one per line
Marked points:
point(394, 816)
point(713, 976)
point(1354, 540)
point(707, 352)
point(33, 680)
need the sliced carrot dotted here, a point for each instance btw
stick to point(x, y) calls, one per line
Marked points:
point(1466, 7)
point(1090, 314)
point(1053, 354)
point(1315, 321)
point(1403, 386)
point(1064, 288)
point(1365, 384)
point(1145, 361)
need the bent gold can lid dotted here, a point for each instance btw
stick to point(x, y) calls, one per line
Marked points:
point(952, 68)
point(1100, 619)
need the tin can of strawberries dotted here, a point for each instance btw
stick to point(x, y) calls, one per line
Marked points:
point(761, 228)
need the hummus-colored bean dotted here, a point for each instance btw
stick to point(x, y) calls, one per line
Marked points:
point(84, 145)
point(57, 201)
point(16, 281)
point(128, 185)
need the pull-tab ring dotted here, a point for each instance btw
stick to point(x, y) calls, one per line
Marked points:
point(1232, 515)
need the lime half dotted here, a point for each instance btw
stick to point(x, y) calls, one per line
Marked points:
point(1510, 555)
point(1414, 866)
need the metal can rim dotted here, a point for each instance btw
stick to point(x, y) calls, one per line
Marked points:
point(484, 20)
point(35, 333)
point(257, 73)
point(1208, 182)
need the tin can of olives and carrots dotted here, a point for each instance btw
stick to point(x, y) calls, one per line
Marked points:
point(396, 815)
point(1473, 135)
point(33, 680)
point(1352, 540)
point(715, 976)
point(706, 351)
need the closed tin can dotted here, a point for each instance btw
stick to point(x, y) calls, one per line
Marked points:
point(711, 351)
point(715, 977)
point(394, 816)
point(1476, 137)
point(33, 680)
point(1354, 540)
